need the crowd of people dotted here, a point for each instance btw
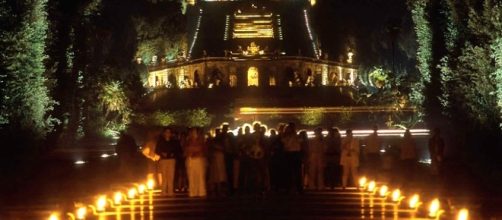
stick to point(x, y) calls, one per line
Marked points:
point(252, 162)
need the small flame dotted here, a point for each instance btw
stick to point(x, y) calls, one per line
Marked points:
point(81, 212)
point(117, 198)
point(150, 184)
point(141, 188)
point(101, 203)
point(414, 200)
point(362, 182)
point(131, 193)
point(396, 195)
point(371, 186)
point(383, 191)
point(463, 214)
point(54, 216)
point(434, 208)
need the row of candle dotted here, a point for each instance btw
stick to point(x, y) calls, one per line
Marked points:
point(370, 188)
point(116, 201)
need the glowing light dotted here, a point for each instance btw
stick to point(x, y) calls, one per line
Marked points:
point(253, 76)
point(307, 23)
point(350, 55)
point(196, 34)
point(117, 198)
point(279, 27)
point(371, 186)
point(425, 161)
point(227, 23)
point(463, 214)
point(383, 191)
point(396, 195)
point(54, 216)
point(150, 184)
point(81, 213)
point(312, 2)
point(79, 162)
point(131, 193)
point(101, 203)
point(434, 208)
point(355, 109)
point(253, 25)
point(141, 188)
point(105, 155)
point(362, 182)
point(414, 201)
point(324, 75)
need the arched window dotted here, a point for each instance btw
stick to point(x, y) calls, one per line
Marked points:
point(233, 80)
point(253, 79)
point(196, 79)
point(289, 77)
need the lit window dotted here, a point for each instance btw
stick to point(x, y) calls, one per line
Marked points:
point(253, 25)
point(272, 81)
point(233, 80)
point(253, 76)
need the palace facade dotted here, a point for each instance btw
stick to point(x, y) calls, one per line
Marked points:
point(252, 43)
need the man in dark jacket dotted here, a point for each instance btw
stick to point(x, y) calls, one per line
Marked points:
point(168, 148)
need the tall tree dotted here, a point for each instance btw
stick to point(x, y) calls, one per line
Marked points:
point(24, 86)
point(463, 61)
point(423, 33)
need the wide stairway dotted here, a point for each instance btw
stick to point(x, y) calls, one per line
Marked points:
point(139, 203)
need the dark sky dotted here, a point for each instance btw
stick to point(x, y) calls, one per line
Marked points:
point(364, 26)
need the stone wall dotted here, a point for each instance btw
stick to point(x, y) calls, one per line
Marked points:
point(231, 72)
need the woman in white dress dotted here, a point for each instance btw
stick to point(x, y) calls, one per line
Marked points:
point(195, 151)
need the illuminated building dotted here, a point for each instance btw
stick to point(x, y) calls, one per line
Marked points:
point(242, 43)
point(262, 54)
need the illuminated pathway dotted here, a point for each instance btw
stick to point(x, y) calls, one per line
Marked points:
point(370, 201)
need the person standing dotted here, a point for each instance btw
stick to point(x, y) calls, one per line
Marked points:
point(304, 143)
point(181, 171)
point(349, 159)
point(333, 173)
point(408, 156)
point(237, 167)
point(229, 148)
point(217, 171)
point(436, 151)
point(293, 157)
point(195, 151)
point(168, 148)
point(316, 162)
point(372, 152)
point(276, 161)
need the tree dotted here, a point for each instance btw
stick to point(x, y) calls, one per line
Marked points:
point(312, 117)
point(423, 33)
point(159, 32)
point(24, 85)
point(114, 102)
point(197, 118)
point(463, 64)
point(469, 65)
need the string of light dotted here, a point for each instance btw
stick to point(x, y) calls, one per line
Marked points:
point(307, 23)
point(196, 34)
